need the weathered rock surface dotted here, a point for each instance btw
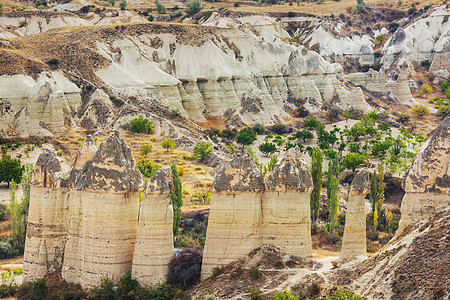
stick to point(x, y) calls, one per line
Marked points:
point(354, 240)
point(37, 106)
point(46, 231)
point(154, 241)
point(427, 183)
point(247, 212)
point(286, 217)
point(103, 214)
point(235, 214)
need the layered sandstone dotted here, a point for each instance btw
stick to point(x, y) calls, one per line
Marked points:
point(427, 183)
point(154, 241)
point(235, 214)
point(354, 240)
point(247, 211)
point(103, 214)
point(286, 218)
point(46, 231)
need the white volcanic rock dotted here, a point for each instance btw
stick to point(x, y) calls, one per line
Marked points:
point(427, 38)
point(354, 239)
point(286, 217)
point(36, 106)
point(154, 241)
point(46, 229)
point(427, 183)
point(103, 213)
point(235, 214)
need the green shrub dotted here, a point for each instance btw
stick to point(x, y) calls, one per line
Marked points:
point(193, 7)
point(145, 149)
point(217, 271)
point(168, 144)
point(3, 212)
point(420, 110)
point(123, 4)
point(202, 150)
point(443, 111)
point(402, 118)
point(285, 296)
point(267, 148)
point(255, 272)
point(7, 250)
point(147, 166)
point(256, 294)
point(23, 23)
point(341, 293)
point(127, 287)
point(160, 8)
point(380, 38)
point(35, 290)
point(176, 14)
point(142, 125)
point(246, 136)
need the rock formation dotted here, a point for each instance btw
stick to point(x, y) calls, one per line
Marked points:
point(235, 214)
point(354, 240)
point(427, 183)
point(103, 214)
point(286, 218)
point(154, 241)
point(247, 212)
point(46, 231)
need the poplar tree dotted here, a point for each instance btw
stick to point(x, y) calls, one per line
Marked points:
point(333, 205)
point(317, 177)
point(177, 200)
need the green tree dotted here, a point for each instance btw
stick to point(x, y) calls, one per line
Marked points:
point(376, 193)
point(317, 177)
point(246, 136)
point(17, 220)
point(352, 160)
point(145, 149)
point(267, 148)
point(141, 125)
point(112, 2)
point(177, 200)
point(311, 122)
point(10, 170)
point(360, 6)
point(420, 110)
point(304, 135)
point(193, 7)
point(26, 191)
point(160, 8)
point(147, 166)
point(168, 144)
point(202, 150)
point(123, 4)
point(333, 204)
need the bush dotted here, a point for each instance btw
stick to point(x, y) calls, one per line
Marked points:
point(279, 129)
point(23, 23)
point(193, 7)
point(380, 38)
point(7, 250)
point(443, 111)
point(123, 4)
point(302, 112)
point(3, 212)
point(420, 110)
point(127, 286)
point(402, 118)
point(104, 291)
point(35, 290)
point(285, 296)
point(184, 269)
point(160, 8)
point(341, 293)
point(202, 150)
point(255, 272)
point(168, 144)
point(267, 148)
point(313, 289)
point(145, 149)
point(246, 136)
point(53, 61)
point(425, 90)
point(176, 14)
point(142, 125)
point(256, 294)
point(147, 166)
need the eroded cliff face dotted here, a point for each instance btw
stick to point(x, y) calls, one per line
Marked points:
point(154, 241)
point(354, 239)
point(46, 229)
point(247, 211)
point(427, 183)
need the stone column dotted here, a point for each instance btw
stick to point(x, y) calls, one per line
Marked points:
point(46, 229)
point(286, 214)
point(235, 214)
point(354, 240)
point(103, 215)
point(154, 242)
point(427, 183)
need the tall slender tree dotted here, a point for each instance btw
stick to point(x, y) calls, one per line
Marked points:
point(317, 177)
point(333, 205)
point(177, 200)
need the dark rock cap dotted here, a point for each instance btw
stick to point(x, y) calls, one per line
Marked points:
point(112, 169)
point(361, 183)
point(430, 171)
point(47, 171)
point(161, 182)
point(239, 175)
point(290, 174)
point(85, 153)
